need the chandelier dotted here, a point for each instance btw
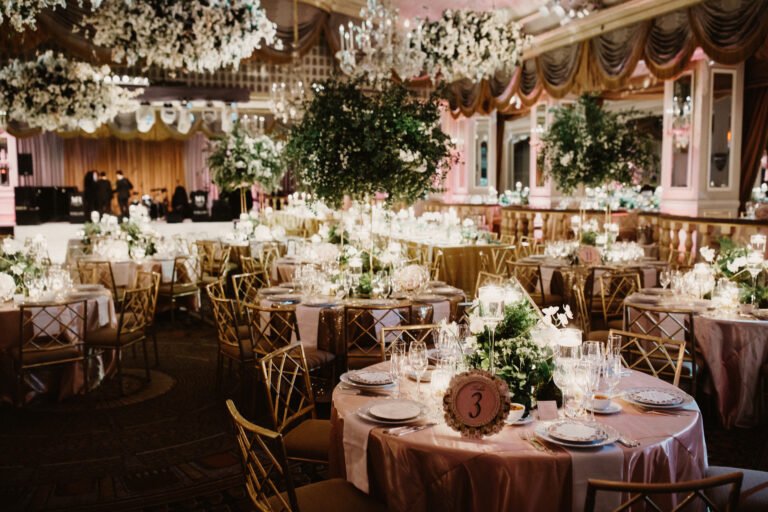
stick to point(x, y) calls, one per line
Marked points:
point(568, 10)
point(287, 97)
point(376, 47)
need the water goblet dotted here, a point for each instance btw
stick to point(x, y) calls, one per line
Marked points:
point(418, 360)
point(397, 363)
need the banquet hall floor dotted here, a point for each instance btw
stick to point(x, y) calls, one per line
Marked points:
point(169, 447)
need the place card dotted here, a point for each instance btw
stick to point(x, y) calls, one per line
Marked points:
point(547, 410)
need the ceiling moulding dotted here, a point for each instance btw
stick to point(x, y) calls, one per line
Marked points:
point(603, 21)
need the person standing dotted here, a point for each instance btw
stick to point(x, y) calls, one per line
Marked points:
point(104, 194)
point(90, 183)
point(123, 189)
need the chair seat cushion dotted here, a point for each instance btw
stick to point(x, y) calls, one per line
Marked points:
point(617, 324)
point(210, 279)
point(233, 351)
point(317, 358)
point(754, 489)
point(336, 494)
point(63, 354)
point(310, 439)
point(107, 337)
point(178, 289)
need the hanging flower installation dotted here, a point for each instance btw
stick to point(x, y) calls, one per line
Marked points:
point(22, 14)
point(197, 35)
point(54, 93)
point(469, 44)
point(357, 143)
point(240, 160)
point(586, 144)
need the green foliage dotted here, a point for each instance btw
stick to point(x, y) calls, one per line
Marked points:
point(239, 160)
point(359, 143)
point(588, 145)
point(523, 364)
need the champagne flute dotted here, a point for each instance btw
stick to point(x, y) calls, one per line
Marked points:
point(397, 363)
point(417, 357)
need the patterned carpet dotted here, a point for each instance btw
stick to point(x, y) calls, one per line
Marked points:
point(168, 446)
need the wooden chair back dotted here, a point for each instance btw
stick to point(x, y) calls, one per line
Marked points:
point(487, 278)
point(265, 465)
point(247, 288)
point(98, 272)
point(151, 279)
point(271, 328)
point(135, 309)
point(288, 386)
point(50, 328)
point(363, 323)
point(225, 315)
point(614, 288)
point(660, 357)
point(408, 333)
point(692, 494)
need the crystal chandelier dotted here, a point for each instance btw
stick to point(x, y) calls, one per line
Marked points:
point(287, 98)
point(376, 47)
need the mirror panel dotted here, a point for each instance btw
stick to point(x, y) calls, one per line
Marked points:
point(721, 130)
point(682, 128)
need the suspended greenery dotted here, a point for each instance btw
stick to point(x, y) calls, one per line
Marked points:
point(591, 146)
point(359, 143)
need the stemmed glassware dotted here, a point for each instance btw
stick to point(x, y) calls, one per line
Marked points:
point(418, 360)
point(492, 312)
point(565, 361)
point(397, 363)
point(754, 267)
point(665, 278)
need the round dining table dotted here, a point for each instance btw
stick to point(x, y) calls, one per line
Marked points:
point(71, 379)
point(438, 469)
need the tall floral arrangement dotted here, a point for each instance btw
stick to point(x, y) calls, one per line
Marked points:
point(587, 144)
point(520, 361)
point(239, 160)
point(731, 263)
point(360, 143)
point(22, 14)
point(52, 92)
point(22, 261)
point(193, 35)
point(471, 44)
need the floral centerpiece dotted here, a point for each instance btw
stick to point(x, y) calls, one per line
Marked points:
point(410, 279)
point(20, 262)
point(239, 160)
point(522, 361)
point(134, 234)
point(193, 35)
point(472, 44)
point(589, 145)
point(23, 13)
point(52, 93)
point(358, 143)
point(732, 263)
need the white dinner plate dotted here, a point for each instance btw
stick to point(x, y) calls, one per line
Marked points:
point(370, 378)
point(354, 384)
point(579, 432)
point(395, 410)
point(525, 420)
point(364, 414)
point(613, 435)
point(659, 398)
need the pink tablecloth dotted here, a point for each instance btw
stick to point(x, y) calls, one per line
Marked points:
point(437, 469)
point(735, 351)
point(67, 380)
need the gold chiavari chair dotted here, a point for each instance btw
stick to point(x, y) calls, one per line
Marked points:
point(436, 267)
point(144, 279)
point(526, 247)
point(268, 256)
point(292, 404)
point(615, 287)
point(363, 322)
point(584, 317)
point(51, 335)
point(268, 480)
point(507, 240)
point(660, 357)
point(494, 260)
point(681, 260)
point(753, 495)
point(408, 333)
point(100, 272)
point(233, 339)
point(668, 323)
point(131, 329)
point(249, 264)
point(247, 288)
point(487, 278)
point(184, 281)
point(641, 496)
point(530, 279)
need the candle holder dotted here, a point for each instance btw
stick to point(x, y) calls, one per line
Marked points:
point(491, 299)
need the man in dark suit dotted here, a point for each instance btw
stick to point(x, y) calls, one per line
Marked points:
point(90, 183)
point(104, 194)
point(124, 187)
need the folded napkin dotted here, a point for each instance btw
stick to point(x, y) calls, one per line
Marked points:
point(356, 432)
point(308, 318)
point(606, 463)
point(441, 311)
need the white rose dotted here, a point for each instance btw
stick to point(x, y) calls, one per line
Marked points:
point(476, 324)
point(12, 246)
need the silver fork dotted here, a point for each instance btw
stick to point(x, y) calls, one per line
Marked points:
point(534, 441)
point(629, 443)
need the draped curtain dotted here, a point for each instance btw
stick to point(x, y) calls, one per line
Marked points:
point(198, 177)
point(47, 151)
point(728, 31)
point(149, 165)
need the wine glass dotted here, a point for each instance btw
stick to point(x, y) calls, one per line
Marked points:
point(592, 350)
point(418, 360)
point(589, 370)
point(397, 363)
point(665, 277)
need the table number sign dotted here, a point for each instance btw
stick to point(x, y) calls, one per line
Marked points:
point(476, 404)
point(588, 255)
